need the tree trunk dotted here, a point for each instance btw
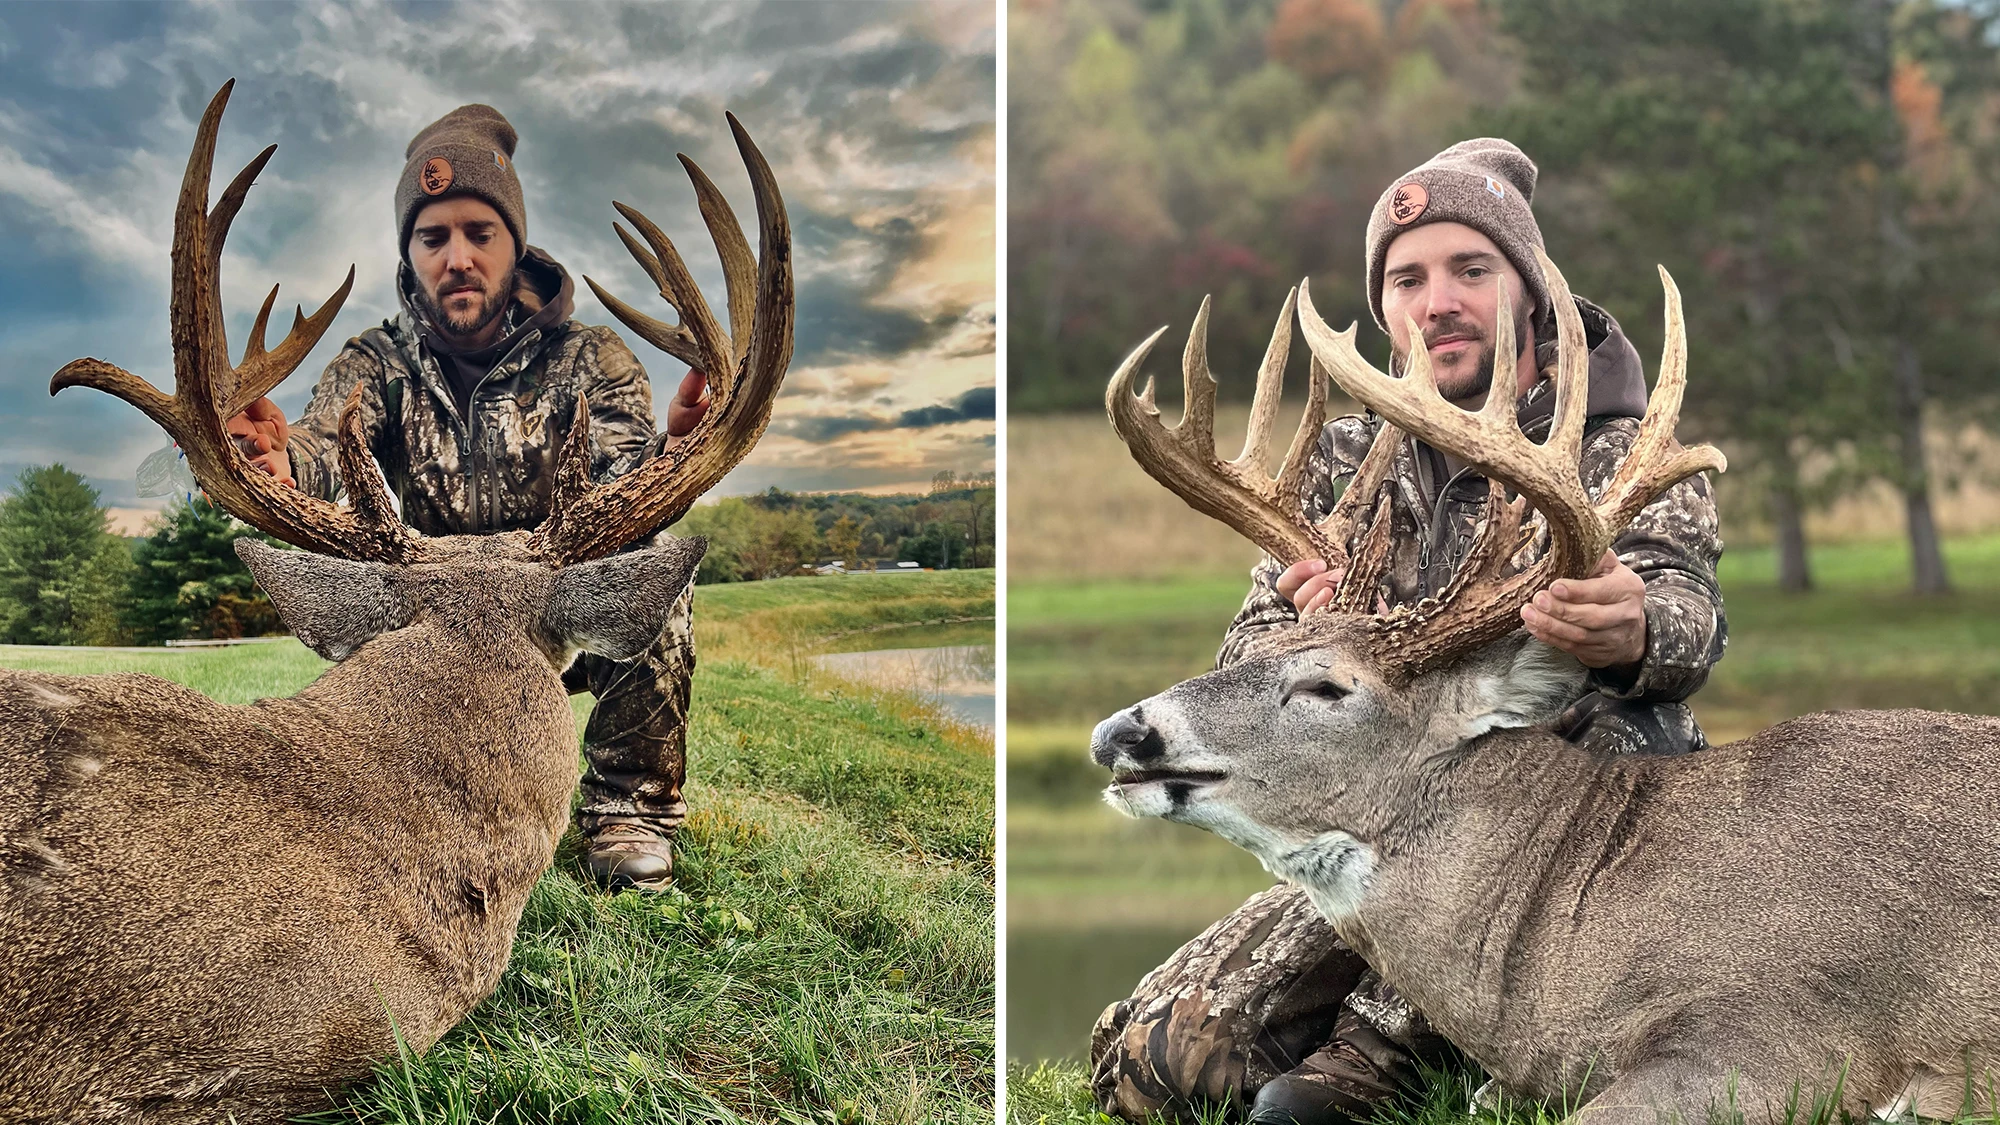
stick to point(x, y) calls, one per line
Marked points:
point(1927, 571)
point(1788, 518)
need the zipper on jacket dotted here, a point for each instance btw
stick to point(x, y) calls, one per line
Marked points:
point(468, 455)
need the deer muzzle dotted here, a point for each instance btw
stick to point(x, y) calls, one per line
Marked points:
point(1147, 779)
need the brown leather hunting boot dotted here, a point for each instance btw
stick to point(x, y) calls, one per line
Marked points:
point(631, 854)
point(1342, 1083)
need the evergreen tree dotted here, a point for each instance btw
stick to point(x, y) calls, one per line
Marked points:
point(189, 582)
point(59, 568)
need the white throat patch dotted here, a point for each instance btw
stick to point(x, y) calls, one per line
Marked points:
point(1334, 868)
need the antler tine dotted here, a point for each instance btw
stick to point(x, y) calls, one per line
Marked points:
point(1360, 495)
point(1196, 431)
point(572, 472)
point(1501, 392)
point(254, 347)
point(1638, 479)
point(1572, 369)
point(600, 520)
point(739, 266)
point(711, 344)
point(207, 390)
point(1270, 387)
point(770, 348)
point(200, 353)
point(258, 375)
point(366, 491)
point(1366, 565)
point(1298, 456)
point(673, 339)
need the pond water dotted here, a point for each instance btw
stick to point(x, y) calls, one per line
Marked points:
point(950, 665)
point(1059, 980)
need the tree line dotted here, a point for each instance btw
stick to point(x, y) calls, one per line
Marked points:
point(776, 533)
point(1821, 177)
point(66, 579)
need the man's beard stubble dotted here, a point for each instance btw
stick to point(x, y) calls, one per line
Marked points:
point(492, 305)
point(1472, 385)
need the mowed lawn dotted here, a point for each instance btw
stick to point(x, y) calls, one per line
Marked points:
point(1095, 899)
point(827, 952)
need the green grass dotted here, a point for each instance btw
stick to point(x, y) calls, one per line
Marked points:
point(1095, 900)
point(827, 952)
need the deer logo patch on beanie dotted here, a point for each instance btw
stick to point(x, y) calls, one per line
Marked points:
point(1408, 203)
point(436, 176)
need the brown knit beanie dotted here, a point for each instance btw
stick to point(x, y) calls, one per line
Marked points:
point(469, 151)
point(1486, 184)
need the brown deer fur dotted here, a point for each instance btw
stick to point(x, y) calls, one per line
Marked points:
point(208, 909)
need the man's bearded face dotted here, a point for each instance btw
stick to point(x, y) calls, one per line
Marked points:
point(1462, 354)
point(464, 260)
point(462, 305)
point(1446, 278)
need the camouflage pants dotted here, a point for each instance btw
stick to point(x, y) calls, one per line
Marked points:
point(636, 740)
point(1260, 990)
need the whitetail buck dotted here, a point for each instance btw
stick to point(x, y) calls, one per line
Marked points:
point(1815, 909)
point(208, 910)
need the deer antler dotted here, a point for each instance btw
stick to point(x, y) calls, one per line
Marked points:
point(744, 368)
point(207, 390)
point(1241, 493)
point(1479, 605)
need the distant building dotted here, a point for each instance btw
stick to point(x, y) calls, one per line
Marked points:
point(869, 566)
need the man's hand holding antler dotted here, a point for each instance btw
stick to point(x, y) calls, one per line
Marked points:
point(261, 432)
point(1600, 620)
point(688, 405)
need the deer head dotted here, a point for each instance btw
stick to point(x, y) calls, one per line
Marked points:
point(367, 574)
point(1331, 731)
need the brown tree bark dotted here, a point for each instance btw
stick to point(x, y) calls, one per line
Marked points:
point(1788, 520)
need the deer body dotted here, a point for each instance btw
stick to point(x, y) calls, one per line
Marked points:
point(215, 908)
point(1816, 906)
point(1777, 908)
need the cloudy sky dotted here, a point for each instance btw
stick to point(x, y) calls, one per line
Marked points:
point(877, 118)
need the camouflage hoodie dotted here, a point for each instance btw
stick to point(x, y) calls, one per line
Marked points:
point(1673, 545)
point(492, 467)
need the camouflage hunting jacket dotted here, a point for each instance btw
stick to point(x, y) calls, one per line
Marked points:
point(492, 466)
point(1673, 544)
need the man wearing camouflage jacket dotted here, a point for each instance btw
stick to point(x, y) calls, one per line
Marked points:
point(1267, 1010)
point(467, 397)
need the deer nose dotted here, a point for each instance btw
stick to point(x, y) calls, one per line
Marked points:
point(1128, 734)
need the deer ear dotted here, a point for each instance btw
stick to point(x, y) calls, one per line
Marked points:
point(333, 606)
point(1517, 682)
point(617, 606)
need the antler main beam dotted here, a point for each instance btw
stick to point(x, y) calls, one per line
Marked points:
point(745, 367)
point(208, 390)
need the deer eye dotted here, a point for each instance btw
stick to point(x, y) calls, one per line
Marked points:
point(1318, 689)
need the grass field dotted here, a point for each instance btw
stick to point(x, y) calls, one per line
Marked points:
point(827, 952)
point(1094, 900)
